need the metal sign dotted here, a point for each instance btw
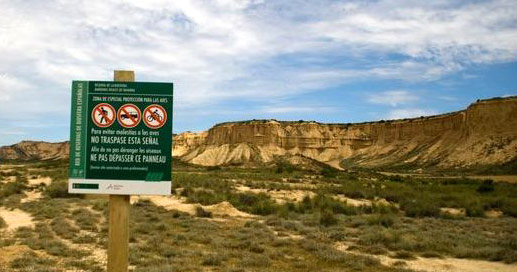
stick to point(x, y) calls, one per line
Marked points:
point(121, 138)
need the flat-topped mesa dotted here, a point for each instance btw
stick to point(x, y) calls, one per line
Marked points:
point(484, 133)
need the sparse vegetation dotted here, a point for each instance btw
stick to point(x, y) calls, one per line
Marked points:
point(398, 216)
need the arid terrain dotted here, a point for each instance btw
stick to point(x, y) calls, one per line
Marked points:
point(282, 218)
point(427, 194)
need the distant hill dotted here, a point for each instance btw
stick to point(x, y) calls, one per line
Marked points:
point(484, 134)
point(35, 150)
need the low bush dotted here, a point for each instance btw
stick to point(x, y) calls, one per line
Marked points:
point(200, 212)
point(486, 187)
point(213, 168)
point(11, 188)
point(402, 254)
point(329, 172)
point(421, 207)
point(381, 220)
point(474, 209)
point(260, 204)
point(59, 189)
point(327, 218)
point(213, 260)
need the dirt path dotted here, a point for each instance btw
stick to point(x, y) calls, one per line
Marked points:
point(16, 218)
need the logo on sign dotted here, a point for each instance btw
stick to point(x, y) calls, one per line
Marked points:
point(155, 116)
point(103, 115)
point(129, 116)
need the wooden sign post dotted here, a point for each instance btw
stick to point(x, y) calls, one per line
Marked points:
point(118, 235)
point(120, 145)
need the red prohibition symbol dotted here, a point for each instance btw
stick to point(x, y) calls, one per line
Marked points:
point(155, 116)
point(129, 115)
point(103, 115)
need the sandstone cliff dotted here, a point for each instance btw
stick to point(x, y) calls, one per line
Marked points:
point(483, 134)
point(31, 150)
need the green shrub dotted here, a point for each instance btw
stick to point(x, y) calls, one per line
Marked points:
point(327, 218)
point(421, 208)
point(213, 260)
point(213, 168)
point(30, 261)
point(305, 205)
point(474, 209)
point(59, 189)
point(63, 228)
point(200, 212)
point(509, 207)
point(486, 187)
point(284, 166)
point(11, 188)
point(396, 178)
point(402, 254)
point(204, 197)
point(329, 172)
point(85, 219)
point(381, 220)
point(2, 223)
point(260, 204)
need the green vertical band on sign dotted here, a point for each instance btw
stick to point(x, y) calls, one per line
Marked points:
point(77, 129)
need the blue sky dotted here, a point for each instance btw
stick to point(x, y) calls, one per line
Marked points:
point(329, 61)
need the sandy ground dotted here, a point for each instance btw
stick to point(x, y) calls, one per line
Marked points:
point(453, 211)
point(16, 218)
point(8, 179)
point(279, 196)
point(507, 178)
point(179, 203)
point(31, 196)
point(335, 164)
point(440, 264)
point(452, 265)
point(7, 166)
point(39, 180)
point(9, 253)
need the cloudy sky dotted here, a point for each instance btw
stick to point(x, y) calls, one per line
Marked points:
point(329, 61)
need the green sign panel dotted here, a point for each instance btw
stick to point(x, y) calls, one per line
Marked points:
point(121, 138)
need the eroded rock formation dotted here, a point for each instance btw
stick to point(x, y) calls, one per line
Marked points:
point(485, 134)
point(35, 150)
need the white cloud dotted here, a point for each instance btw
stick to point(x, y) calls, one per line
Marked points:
point(216, 51)
point(392, 98)
point(409, 113)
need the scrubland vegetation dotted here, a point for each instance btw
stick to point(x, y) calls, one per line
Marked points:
point(328, 220)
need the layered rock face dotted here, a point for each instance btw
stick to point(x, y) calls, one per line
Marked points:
point(485, 134)
point(31, 150)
